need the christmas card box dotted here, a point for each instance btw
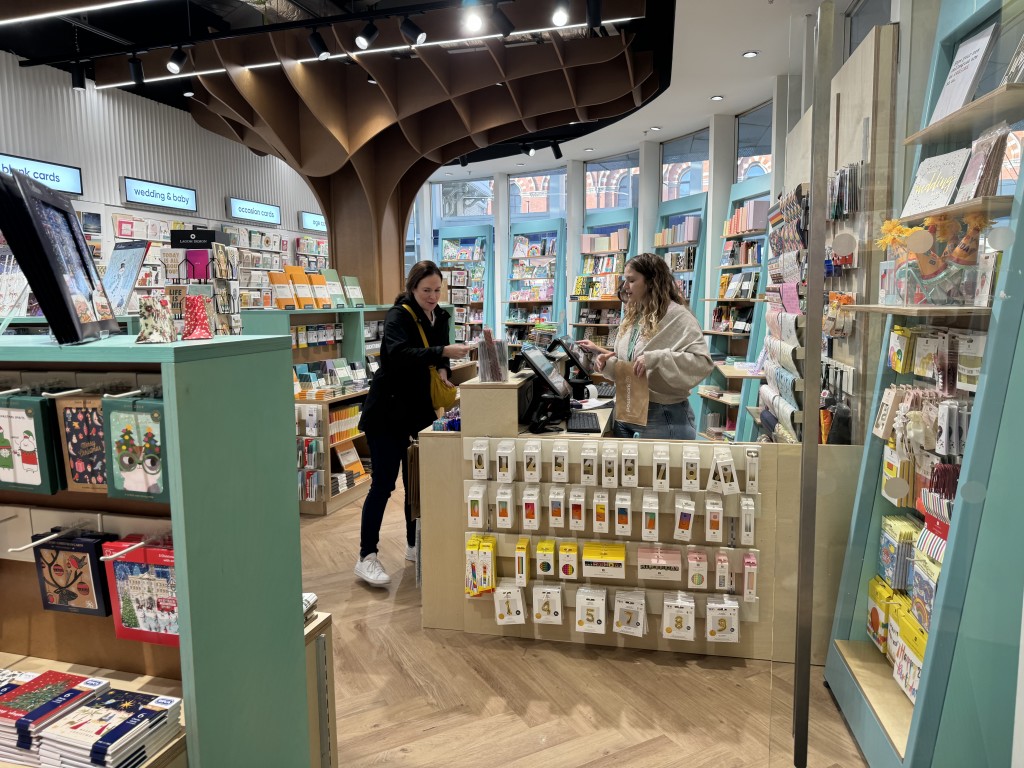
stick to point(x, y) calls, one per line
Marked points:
point(30, 707)
point(30, 458)
point(143, 592)
point(135, 445)
point(71, 575)
point(82, 442)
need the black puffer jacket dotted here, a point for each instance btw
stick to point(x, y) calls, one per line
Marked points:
point(399, 399)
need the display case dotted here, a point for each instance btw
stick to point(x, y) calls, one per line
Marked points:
point(604, 250)
point(467, 259)
point(533, 304)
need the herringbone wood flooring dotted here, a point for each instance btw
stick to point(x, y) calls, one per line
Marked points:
point(413, 697)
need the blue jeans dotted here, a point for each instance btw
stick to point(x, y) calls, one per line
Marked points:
point(673, 421)
point(388, 454)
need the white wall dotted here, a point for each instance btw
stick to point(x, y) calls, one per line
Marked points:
point(113, 133)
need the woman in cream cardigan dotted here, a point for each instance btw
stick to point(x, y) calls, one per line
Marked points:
point(660, 336)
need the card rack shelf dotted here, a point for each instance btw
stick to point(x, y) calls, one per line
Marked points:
point(536, 265)
point(1004, 103)
point(589, 317)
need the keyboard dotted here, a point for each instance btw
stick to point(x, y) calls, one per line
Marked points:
point(582, 421)
point(605, 390)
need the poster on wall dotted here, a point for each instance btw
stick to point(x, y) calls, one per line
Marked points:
point(122, 273)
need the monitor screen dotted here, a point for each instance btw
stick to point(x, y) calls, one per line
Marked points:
point(583, 361)
point(538, 361)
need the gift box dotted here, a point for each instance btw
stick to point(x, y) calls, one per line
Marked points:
point(143, 591)
point(30, 459)
point(82, 443)
point(70, 573)
point(135, 444)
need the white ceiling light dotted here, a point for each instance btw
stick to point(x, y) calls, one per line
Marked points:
point(177, 60)
point(717, 98)
point(365, 38)
point(560, 17)
point(588, 149)
point(472, 21)
point(70, 11)
point(655, 127)
point(751, 54)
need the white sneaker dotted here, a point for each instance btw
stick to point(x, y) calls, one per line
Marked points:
point(410, 554)
point(371, 571)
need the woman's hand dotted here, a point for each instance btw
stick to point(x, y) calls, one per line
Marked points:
point(456, 351)
point(443, 373)
point(602, 360)
point(590, 347)
point(639, 367)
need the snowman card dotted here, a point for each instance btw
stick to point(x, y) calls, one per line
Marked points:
point(29, 459)
point(135, 445)
point(83, 444)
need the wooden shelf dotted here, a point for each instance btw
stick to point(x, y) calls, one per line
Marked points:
point(727, 333)
point(529, 325)
point(732, 372)
point(594, 325)
point(677, 245)
point(343, 440)
point(714, 438)
point(873, 675)
point(1005, 102)
point(748, 233)
point(732, 403)
point(595, 301)
point(530, 301)
point(683, 271)
point(993, 207)
point(736, 267)
point(304, 253)
point(602, 253)
point(758, 300)
point(755, 414)
point(332, 400)
point(919, 310)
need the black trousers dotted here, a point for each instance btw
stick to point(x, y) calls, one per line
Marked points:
point(388, 454)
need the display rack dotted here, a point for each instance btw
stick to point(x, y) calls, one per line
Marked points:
point(536, 282)
point(594, 288)
point(237, 642)
point(965, 699)
point(469, 249)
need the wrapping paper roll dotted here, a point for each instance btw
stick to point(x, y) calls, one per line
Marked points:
point(785, 354)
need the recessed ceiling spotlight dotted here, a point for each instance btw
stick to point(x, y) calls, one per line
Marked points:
point(365, 38)
point(717, 98)
point(520, 165)
point(176, 61)
point(588, 149)
point(189, 91)
point(751, 54)
point(447, 173)
point(655, 127)
point(560, 17)
point(472, 21)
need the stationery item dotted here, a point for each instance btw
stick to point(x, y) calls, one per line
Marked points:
point(697, 569)
point(691, 468)
point(747, 515)
point(660, 453)
point(604, 559)
point(901, 347)
point(531, 508)
point(623, 513)
point(971, 349)
point(143, 593)
point(630, 613)
point(750, 577)
point(134, 441)
point(722, 619)
point(506, 513)
point(30, 453)
point(476, 505)
point(301, 287)
point(82, 443)
point(334, 288)
point(965, 72)
point(560, 462)
point(879, 599)
point(1015, 69)
point(714, 515)
point(472, 578)
point(588, 463)
point(649, 513)
point(600, 508)
point(522, 561)
point(546, 558)
point(509, 605)
point(610, 465)
point(909, 660)
point(685, 508)
point(531, 461)
point(321, 294)
point(577, 502)
point(556, 506)
point(981, 176)
point(282, 290)
point(891, 399)
point(481, 460)
point(156, 326)
point(568, 560)
point(722, 569)
point(630, 476)
point(726, 471)
point(197, 319)
point(506, 456)
point(898, 535)
point(487, 563)
point(591, 609)
point(122, 273)
point(547, 604)
point(936, 181)
point(924, 583)
point(678, 617)
point(353, 292)
point(70, 573)
point(752, 454)
point(659, 563)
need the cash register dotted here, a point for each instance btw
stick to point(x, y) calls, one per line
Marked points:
point(567, 349)
point(549, 401)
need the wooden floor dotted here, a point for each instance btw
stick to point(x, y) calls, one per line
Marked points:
point(413, 697)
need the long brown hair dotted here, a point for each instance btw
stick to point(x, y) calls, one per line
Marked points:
point(418, 271)
point(661, 291)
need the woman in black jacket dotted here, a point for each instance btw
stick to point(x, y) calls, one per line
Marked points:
point(399, 404)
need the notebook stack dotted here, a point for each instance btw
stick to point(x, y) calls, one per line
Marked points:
point(309, 603)
point(119, 729)
point(27, 709)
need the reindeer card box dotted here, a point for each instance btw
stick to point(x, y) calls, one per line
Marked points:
point(135, 444)
point(143, 592)
point(30, 458)
point(71, 575)
point(80, 421)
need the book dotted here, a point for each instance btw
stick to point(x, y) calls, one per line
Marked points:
point(936, 182)
point(334, 288)
point(353, 292)
point(321, 294)
point(300, 285)
point(1015, 69)
point(981, 176)
point(964, 73)
point(281, 287)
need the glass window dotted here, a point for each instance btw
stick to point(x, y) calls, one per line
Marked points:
point(684, 166)
point(458, 203)
point(411, 238)
point(754, 142)
point(613, 182)
point(537, 196)
point(865, 15)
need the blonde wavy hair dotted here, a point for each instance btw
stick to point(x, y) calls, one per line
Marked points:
point(661, 291)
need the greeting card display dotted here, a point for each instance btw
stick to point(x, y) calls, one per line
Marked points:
point(71, 575)
point(143, 591)
point(135, 445)
point(82, 442)
point(29, 457)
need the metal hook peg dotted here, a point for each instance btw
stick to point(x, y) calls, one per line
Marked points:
point(59, 534)
point(62, 394)
point(144, 543)
point(107, 396)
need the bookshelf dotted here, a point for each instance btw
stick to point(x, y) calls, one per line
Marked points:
point(737, 311)
point(466, 257)
point(605, 248)
point(536, 280)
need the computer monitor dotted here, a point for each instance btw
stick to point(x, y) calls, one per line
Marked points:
point(577, 357)
point(545, 370)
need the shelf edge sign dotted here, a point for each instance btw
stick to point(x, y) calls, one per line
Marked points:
point(156, 195)
point(312, 222)
point(61, 178)
point(250, 210)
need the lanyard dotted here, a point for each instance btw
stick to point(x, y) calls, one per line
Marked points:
point(633, 336)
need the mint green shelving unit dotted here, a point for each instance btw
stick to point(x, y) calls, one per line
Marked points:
point(236, 540)
point(964, 714)
point(535, 230)
point(603, 223)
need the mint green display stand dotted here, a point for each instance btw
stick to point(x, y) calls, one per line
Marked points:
point(230, 452)
point(469, 235)
point(535, 229)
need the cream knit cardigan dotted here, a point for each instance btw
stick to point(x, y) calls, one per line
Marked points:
point(676, 357)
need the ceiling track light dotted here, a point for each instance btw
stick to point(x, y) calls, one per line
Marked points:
point(463, 161)
point(177, 61)
point(501, 22)
point(135, 70)
point(594, 14)
point(320, 50)
point(472, 21)
point(371, 79)
point(412, 32)
point(365, 38)
point(78, 76)
point(527, 150)
point(560, 17)
point(190, 90)
point(556, 150)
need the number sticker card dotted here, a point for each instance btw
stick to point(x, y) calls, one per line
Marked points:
point(547, 605)
point(509, 607)
point(590, 610)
